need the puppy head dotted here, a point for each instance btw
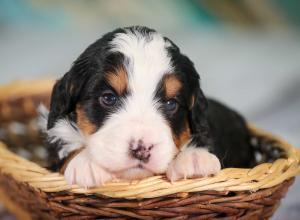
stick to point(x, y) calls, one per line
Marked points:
point(133, 97)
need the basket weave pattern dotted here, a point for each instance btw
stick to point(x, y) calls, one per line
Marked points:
point(233, 193)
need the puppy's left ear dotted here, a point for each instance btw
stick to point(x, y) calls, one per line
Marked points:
point(197, 118)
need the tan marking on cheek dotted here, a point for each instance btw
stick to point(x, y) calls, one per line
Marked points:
point(68, 159)
point(118, 80)
point(172, 85)
point(183, 137)
point(83, 122)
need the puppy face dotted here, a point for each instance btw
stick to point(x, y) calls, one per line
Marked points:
point(130, 95)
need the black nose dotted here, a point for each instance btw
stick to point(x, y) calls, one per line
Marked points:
point(140, 151)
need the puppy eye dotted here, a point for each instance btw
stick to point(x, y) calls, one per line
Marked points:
point(108, 99)
point(171, 105)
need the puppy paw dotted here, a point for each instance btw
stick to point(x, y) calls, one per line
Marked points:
point(82, 171)
point(193, 162)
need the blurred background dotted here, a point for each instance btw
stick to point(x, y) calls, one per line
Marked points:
point(246, 51)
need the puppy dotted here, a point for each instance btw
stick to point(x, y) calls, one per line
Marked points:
point(131, 107)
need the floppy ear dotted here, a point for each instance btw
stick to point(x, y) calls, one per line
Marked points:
point(199, 127)
point(64, 96)
point(63, 135)
point(67, 90)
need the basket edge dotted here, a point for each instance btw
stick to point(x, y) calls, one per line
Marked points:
point(42, 179)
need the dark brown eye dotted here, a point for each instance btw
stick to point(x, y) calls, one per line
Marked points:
point(108, 99)
point(171, 105)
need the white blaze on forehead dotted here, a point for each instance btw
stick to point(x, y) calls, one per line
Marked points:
point(146, 60)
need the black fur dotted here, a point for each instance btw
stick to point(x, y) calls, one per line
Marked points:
point(212, 125)
point(230, 135)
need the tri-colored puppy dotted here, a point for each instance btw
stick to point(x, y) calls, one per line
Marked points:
point(131, 107)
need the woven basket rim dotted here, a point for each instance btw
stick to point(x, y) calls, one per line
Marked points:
point(22, 88)
point(262, 176)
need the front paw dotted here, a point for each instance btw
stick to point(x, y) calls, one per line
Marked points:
point(193, 162)
point(82, 171)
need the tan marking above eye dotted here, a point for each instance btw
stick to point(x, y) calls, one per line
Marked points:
point(118, 80)
point(172, 85)
point(83, 122)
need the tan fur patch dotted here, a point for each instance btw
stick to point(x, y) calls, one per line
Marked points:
point(172, 85)
point(183, 137)
point(83, 122)
point(118, 80)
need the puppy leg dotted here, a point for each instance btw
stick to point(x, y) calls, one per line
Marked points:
point(84, 172)
point(193, 162)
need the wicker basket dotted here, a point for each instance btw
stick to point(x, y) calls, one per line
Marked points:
point(32, 192)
